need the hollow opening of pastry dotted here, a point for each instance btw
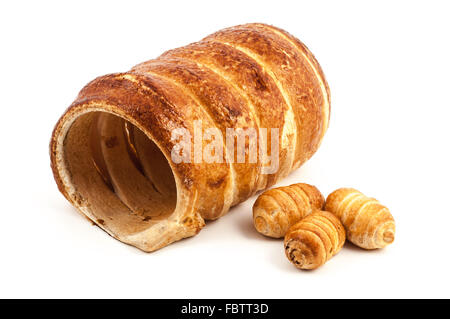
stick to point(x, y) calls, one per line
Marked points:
point(119, 177)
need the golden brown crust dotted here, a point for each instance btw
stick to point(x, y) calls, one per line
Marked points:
point(221, 104)
point(368, 224)
point(249, 80)
point(298, 84)
point(246, 76)
point(304, 49)
point(314, 240)
point(277, 209)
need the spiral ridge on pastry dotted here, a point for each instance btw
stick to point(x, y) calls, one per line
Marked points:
point(111, 150)
point(277, 209)
point(314, 240)
point(368, 223)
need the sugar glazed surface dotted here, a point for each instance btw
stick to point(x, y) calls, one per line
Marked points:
point(111, 150)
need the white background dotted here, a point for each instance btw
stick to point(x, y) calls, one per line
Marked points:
point(388, 67)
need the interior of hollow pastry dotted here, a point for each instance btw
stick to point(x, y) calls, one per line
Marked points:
point(120, 178)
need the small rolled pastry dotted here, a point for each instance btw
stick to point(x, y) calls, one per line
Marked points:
point(277, 209)
point(368, 224)
point(314, 240)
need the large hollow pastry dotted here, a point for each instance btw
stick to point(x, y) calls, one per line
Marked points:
point(112, 150)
